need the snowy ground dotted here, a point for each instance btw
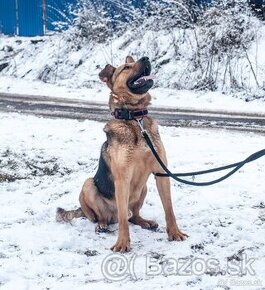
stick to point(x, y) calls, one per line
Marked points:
point(47, 162)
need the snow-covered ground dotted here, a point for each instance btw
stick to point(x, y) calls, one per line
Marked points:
point(47, 161)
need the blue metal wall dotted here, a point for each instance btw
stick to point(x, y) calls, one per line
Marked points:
point(29, 16)
point(8, 17)
point(30, 20)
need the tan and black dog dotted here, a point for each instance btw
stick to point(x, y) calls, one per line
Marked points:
point(117, 191)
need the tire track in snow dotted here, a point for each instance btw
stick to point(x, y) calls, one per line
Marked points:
point(81, 110)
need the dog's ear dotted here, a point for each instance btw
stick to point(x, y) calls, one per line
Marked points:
point(129, 59)
point(106, 74)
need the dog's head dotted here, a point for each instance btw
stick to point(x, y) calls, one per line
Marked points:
point(131, 77)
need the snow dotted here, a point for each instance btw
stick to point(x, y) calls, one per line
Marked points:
point(47, 160)
point(51, 158)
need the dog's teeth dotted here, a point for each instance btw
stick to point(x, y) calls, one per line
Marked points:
point(139, 81)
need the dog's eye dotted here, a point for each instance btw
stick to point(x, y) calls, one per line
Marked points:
point(126, 67)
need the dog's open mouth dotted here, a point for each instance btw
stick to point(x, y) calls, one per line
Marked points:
point(142, 81)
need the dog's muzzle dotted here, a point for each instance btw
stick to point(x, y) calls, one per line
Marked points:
point(142, 81)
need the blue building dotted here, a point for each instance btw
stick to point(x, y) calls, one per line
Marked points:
point(32, 17)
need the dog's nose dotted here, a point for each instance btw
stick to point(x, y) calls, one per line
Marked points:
point(144, 59)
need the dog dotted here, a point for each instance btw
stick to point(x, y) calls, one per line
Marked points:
point(117, 191)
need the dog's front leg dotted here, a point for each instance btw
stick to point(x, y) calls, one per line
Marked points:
point(122, 197)
point(163, 186)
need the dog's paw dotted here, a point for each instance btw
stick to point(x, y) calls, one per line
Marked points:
point(150, 225)
point(121, 246)
point(176, 235)
point(102, 228)
point(145, 224)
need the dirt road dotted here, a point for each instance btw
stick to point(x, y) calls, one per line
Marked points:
point(81, 110)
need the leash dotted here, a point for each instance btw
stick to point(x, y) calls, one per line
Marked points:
point(176, 176)
point(137, 115)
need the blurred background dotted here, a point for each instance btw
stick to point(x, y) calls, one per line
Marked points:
point(38, 17)
point(214, 45)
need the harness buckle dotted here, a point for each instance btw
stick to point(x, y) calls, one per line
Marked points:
point(122, 114)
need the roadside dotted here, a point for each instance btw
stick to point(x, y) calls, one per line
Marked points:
point(98, 111)
point(168, 98)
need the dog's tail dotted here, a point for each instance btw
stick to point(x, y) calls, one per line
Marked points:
point(67, 215)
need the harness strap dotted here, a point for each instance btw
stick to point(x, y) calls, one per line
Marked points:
point(175, 176)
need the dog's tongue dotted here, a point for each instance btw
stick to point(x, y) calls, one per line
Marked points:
point(143, 79)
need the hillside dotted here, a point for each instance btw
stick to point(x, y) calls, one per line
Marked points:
point(222, 56)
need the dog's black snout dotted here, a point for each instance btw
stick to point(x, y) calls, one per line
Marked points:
point(144, 59)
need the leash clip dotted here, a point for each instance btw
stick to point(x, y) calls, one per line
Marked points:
point(139, 121)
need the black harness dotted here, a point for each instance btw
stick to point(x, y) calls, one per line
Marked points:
point(138, 116)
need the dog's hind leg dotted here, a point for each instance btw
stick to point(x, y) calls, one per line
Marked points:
point(136, 218)
point(84, 211)
point(96, 207)
point(87, 199)
point(88, 212)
